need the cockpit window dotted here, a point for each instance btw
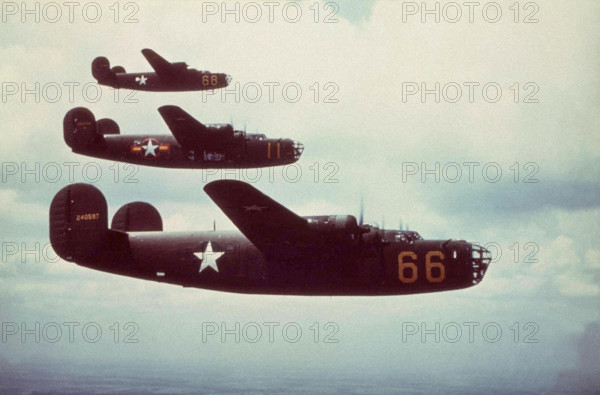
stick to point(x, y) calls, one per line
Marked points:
point(257, 136)
point(407, 236)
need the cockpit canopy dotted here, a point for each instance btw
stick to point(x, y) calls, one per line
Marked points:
point(220, 126)
point(179, 66)
point(407, 236)
point(256, 136)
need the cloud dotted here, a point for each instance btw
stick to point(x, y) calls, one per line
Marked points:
point(592, 258)
point(368, 134)
point(573, 285)
point(585, 378)
point(354, 11)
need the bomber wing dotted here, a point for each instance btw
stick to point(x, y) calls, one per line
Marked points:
point(190, 133)
point(261, 219)
point(163, 68)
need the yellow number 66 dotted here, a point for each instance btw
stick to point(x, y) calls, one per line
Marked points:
point(429, 266)
point(407, 265)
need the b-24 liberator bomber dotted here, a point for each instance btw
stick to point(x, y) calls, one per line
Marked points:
point(192, 145)
point(277, 251)
point(167, 76)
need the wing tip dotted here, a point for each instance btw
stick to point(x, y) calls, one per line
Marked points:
point(171, 112)
point(220, 185)
point(168, 107)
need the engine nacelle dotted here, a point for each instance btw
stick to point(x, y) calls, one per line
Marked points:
point(345, 223)
point(137, 217)
point(333, 223)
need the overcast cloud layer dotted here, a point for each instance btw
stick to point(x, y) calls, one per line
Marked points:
point(521, 177)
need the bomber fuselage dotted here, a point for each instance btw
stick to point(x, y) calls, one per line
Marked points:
point(187, 80)
point(227, 261)
point(164, 151)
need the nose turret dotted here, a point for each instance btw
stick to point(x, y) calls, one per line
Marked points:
point(480, 260)
point(473, 259)
point(292, 149)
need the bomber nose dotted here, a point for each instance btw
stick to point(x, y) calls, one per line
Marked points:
point(297, 149)
point(228, 79)
point(292, 149)
point(480, 260)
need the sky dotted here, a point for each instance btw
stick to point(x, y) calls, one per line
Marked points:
point(467, 123)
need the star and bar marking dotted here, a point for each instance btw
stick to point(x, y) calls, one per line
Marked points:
point(149, 148)
point(141, 80)
point(254, 207)
point(209, 258)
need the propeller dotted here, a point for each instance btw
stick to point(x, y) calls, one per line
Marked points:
point(362, 211)
point(360, 229)
point(363, 229)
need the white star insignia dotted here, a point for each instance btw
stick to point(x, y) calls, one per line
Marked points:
point(254, 207)
point(141, 80)
point(150, 148)
point(209, 258)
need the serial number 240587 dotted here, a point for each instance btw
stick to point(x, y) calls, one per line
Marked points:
point(87, 217)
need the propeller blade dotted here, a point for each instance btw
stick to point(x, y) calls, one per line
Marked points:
point(362, 211)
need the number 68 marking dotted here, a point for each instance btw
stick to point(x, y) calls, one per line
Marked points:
point(209, 80)
point(429, 265)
